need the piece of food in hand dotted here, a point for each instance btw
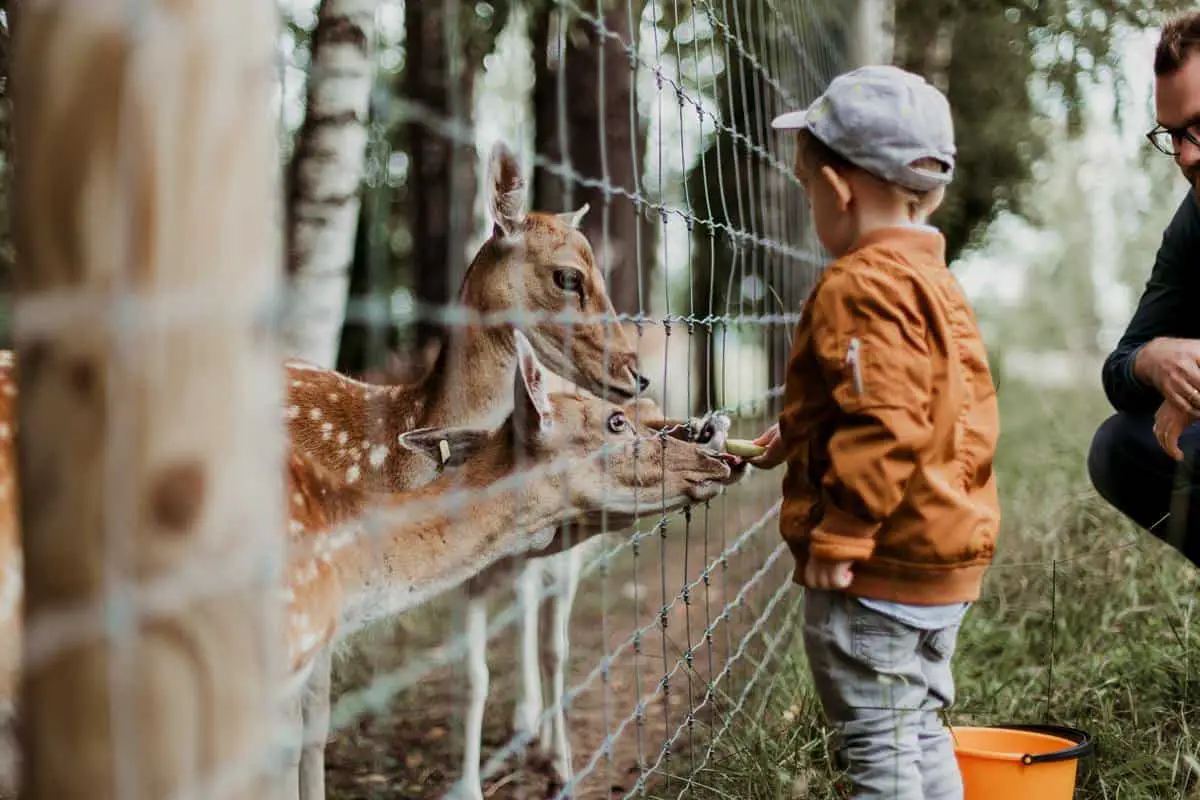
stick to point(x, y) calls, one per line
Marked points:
point(744, 448)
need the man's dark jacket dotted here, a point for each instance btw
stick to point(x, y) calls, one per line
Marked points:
point(1170, 306)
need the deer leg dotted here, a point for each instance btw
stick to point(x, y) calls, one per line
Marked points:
point(315, 723)
point(477, 683)
point(555, 656)
point(529, 702)
point(294, 734)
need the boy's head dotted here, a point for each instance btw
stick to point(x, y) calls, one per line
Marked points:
point(876, 149)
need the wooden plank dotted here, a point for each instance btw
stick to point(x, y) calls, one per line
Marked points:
point(149, 434)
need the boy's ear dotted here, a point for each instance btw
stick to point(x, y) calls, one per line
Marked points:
point(930, 203)
point(839, 185)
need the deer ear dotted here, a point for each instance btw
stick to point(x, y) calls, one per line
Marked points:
point(507, 186)
point(573, 218)
point(447, 447)
point(531, 403)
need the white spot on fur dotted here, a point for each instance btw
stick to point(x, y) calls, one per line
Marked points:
point(293, 412)
point(10, 390)
point(314, 413)
point(6, 358)
point(296, 526)
point(353, 473)
point(365, 444)
point(327, 431)
point(5, 431)
point(333, 397)
point(378, 455)
point(343, 437)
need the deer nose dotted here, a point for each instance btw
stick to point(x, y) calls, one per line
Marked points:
point(642, 381)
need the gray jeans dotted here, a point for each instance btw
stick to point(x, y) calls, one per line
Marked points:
point(881, 684)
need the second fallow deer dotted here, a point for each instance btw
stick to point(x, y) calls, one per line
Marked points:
point(572, 457)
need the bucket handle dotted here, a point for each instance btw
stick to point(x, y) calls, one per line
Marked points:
point(1084, 745)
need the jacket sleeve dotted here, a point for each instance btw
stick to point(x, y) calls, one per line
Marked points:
point(870, 339)
point(1164, 309)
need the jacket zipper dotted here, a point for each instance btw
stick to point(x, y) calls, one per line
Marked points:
point(852, 361)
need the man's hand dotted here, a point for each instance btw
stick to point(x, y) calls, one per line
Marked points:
point(774, 456)
point(1173, 367)
point(1169, 423)
point(820, 574)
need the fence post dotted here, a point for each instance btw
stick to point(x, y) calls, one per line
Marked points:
point(150, 446)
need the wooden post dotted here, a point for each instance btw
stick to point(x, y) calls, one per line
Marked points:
point(150, 442)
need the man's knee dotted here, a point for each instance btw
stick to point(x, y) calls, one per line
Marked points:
point(1108, 455)
point(1131, 471)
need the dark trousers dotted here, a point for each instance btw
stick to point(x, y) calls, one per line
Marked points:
point(1132, 472)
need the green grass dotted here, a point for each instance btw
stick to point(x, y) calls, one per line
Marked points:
point(1124, 647)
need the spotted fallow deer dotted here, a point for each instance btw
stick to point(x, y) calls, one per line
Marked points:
point(355, 556)
point(536, 274)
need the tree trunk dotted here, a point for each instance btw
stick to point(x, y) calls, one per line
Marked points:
point(150, 448)
point(325, 179)
point(439, 75)
point(589, 85)
point(873, 39)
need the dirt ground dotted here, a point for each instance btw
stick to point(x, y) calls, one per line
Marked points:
point(412, 747)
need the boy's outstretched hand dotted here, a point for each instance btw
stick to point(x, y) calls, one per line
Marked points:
point(774, 455)
point(827, 574)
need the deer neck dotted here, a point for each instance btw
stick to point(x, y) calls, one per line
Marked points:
point(417, 554)
point(351, 429)
point(471, 382)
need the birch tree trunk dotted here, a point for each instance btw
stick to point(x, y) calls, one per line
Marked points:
point(873, 37)
point(325, 179)
point(146, 197)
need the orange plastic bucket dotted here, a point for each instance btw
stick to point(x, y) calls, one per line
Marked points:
point(1020, 762)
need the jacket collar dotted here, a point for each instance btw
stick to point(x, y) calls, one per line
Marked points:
point(925, 240)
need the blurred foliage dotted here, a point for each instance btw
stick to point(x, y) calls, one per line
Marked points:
point(412, 224)
point(986, 55)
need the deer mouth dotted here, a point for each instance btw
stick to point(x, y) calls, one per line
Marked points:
point(596, 370)
point(617, 384)
point(717, 472)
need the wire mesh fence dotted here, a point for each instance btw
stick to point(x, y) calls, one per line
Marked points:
point(607, 631)
point(656, 116)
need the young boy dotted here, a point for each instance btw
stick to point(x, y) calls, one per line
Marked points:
point(888, 430)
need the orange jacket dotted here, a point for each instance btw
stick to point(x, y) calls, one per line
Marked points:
point(889, 425)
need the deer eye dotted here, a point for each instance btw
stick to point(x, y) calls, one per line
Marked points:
point(569, 280)
point(617, 422)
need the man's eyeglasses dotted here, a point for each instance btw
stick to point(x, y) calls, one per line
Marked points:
point(1169, 140)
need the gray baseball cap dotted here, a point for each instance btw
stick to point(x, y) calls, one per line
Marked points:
point(882, 119)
